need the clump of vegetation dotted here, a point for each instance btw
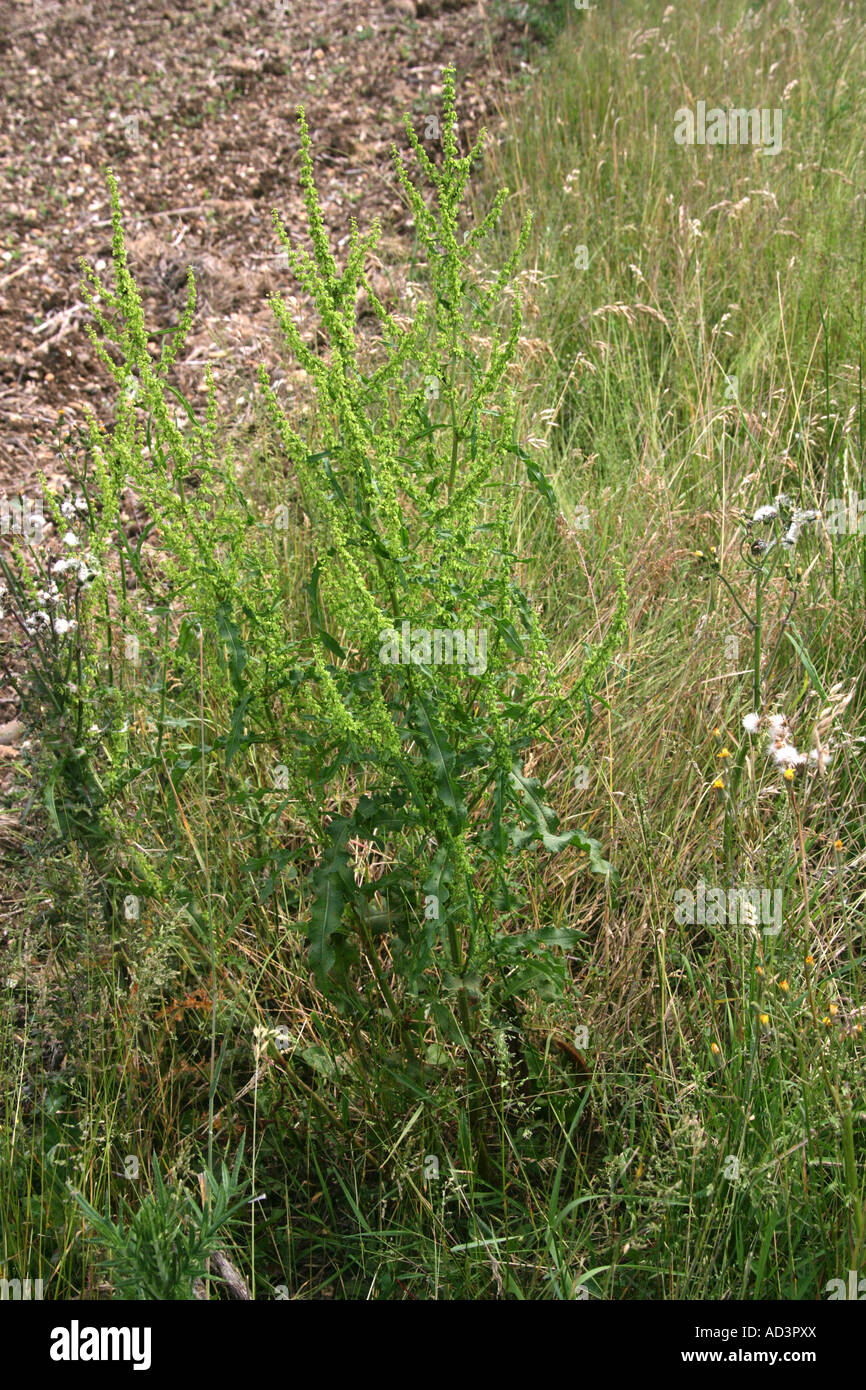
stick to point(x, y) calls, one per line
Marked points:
point(372, 739)
point(163, 1248)
point(400, 704)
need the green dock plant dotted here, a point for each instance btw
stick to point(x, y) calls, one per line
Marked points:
point(408, 473)
point(408, 495)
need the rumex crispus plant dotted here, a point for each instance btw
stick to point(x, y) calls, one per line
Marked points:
point(400, 699)
point(408, 493)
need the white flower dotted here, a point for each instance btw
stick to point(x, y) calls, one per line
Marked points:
point(81, 504)
point(751, 723)
point(63, 625)
point(67, 508)
point(765, 513)
point(70, 539)
point(61, 566)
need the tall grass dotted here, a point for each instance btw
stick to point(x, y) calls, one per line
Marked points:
point(703, 355)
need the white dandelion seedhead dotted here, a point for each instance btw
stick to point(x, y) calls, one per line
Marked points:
point(777, 728)
point(795, 518)
point(786, 755)
point(780, 748)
